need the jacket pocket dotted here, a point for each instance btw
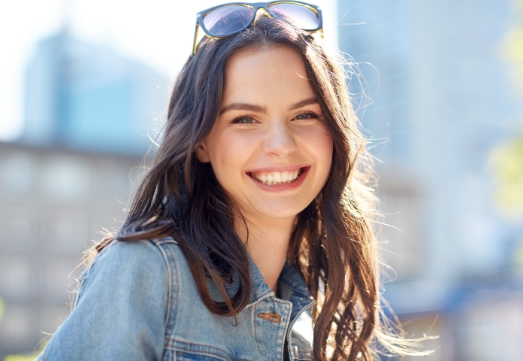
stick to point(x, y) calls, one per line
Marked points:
point(188, 356)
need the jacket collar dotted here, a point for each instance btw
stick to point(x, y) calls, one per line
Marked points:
point(291, 287)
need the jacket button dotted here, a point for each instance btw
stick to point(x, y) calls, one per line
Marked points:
point(273, 317)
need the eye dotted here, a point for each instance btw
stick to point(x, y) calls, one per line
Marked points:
point(244, 120)
point(302, 116)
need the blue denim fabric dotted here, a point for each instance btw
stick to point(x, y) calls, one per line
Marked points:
point(139, 301)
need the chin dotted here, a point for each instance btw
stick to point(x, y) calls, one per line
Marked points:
point(276, 212)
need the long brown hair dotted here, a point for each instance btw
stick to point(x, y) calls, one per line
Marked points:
point(333, 244)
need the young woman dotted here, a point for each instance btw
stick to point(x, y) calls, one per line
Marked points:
point(250, 237)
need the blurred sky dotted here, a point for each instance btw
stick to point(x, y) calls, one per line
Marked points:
point(157, 32)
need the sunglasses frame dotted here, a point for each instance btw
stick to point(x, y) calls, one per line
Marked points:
point(255, 6)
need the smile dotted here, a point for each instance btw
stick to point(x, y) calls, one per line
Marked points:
point(278, 178)
point(273, 178)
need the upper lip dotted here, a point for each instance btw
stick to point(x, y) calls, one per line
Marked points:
point(290, 168)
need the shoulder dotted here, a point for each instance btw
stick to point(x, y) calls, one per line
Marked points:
point(133, 260)
point(123, 306)
point(134, 253)
point(121, 265)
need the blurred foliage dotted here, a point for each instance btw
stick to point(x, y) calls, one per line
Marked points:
point(517, 258)
point(507, 159)
point(514, 48)
point(507, 165)
point(29, 357)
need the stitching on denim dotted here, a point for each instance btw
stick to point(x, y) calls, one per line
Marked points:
point(173, 288)
point(170, 279)
point(205, 350)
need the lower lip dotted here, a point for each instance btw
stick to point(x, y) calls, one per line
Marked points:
point(282, 187)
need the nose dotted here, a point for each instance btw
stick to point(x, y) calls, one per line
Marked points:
point(280, 140)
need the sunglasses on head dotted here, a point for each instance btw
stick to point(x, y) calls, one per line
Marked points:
point(228, 19)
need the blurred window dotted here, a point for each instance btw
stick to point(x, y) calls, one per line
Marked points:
point(17, 174)
point(18, 228)
point(15, 326)
point(66, 179)
point(112, 181)
point(57, 281)
point(15, 277)
point(401, 235)
point(65, 231)
point(492, 329)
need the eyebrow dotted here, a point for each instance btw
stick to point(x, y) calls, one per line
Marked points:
point(262, 109)
point(243, 106)
point(303, 103)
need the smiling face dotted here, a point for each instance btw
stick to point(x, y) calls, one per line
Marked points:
point(269, 148)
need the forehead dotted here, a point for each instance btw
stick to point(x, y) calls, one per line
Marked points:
point(266, 71)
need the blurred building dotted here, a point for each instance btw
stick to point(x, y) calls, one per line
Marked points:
point(87, 96)
point(89, 113)
point(442, 97)
point(53, 203)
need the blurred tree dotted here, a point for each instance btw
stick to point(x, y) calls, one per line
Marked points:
point(508, 170)
point(507, 159)
point(1, 308)
point(29, 357)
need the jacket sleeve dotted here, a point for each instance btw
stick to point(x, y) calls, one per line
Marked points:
point(121, 308)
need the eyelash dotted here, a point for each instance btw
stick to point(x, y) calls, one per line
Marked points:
point(239, 120)
point(309, 115)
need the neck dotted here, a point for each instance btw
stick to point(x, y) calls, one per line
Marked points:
point(267, 245)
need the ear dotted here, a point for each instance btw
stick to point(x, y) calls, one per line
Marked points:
point(202, 154)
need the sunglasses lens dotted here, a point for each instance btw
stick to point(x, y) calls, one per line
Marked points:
point(227, 19)
point(301, 16)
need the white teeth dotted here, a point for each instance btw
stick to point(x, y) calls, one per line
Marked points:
point(273, 178)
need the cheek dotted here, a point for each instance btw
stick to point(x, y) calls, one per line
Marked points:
point(322, 146)
point(319, 141)
point(325, 142)
point(327, 150)
point(228, 153)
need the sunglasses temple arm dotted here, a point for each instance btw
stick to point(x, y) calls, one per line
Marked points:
point(195, 43)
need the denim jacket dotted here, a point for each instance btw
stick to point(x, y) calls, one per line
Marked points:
point(139, 301)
